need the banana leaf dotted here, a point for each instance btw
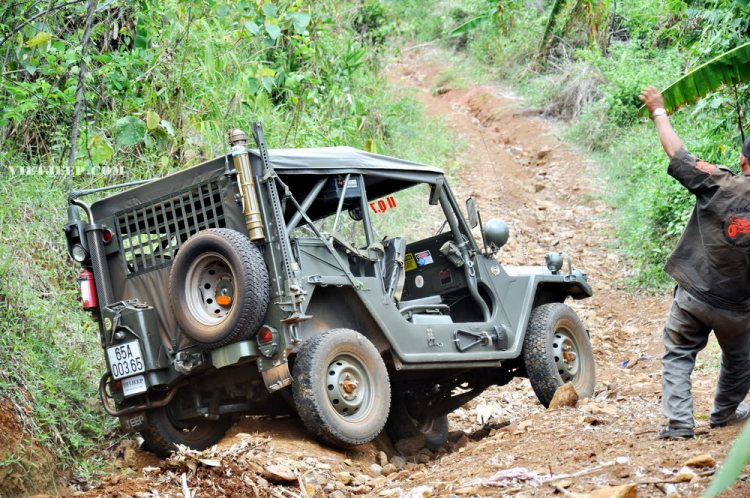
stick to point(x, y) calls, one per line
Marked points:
point(554, 14)
point(730, 68)
point(733, 465)
point(471, 24)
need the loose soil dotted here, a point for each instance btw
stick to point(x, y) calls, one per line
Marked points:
point(518, 170)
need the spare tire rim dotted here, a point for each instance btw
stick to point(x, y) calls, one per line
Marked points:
point(210, 288)
point(349, 387)
point(567, 355)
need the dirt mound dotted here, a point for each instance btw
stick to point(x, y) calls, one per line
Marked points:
point(25, 467)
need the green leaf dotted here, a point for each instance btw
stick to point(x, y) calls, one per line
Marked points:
point(152, 120)
point(732, 466)
point(273, 31)
point(269, 9)
point(300, 21)
point(470, 24)
point(554, 14)
point(167, 126)
point(141, 37)
point(38, 39)
point(729, 68)
point(267, 83)
point(129, 131)
point(99, 149)
point(252, 27)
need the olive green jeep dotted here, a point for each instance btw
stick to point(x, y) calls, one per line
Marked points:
point(333, 284)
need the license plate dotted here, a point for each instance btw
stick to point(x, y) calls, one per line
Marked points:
point(134, 385)
point(125, 360)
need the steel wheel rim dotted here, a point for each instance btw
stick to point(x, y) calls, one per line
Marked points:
point(349, 387)
point(567, 354)
point(208, 277)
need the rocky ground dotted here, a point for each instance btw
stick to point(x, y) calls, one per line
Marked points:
point(503, 443)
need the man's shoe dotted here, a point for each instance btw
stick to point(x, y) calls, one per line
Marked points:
point(670, 431)
point(741, 414)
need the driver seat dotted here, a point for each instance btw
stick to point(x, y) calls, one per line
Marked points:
point(393, 267)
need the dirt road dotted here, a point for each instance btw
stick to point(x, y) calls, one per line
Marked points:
point(510, 446)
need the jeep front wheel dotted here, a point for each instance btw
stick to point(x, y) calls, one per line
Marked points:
point(557, 350)
point(219, 287)
point(341, 388)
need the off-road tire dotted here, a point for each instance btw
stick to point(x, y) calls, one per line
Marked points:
point(163, 435)
point(539, 355)
point(312, 368)
point(402, 425)
point(250, 301)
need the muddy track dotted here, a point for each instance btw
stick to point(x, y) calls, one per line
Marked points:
point(518, 170)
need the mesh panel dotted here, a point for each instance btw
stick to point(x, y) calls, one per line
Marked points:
point(151, 234)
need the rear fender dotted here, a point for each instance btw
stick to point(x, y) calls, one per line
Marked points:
point(340, 307)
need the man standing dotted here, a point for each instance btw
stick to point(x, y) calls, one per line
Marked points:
point(711, 265)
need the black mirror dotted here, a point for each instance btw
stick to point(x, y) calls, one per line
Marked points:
point(472, 212)
point(435, 191)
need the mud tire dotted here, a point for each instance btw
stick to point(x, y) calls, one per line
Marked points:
point(402, 425)
point(547, 324)
point(164, 435)
point(313, 380)
point(251, 287)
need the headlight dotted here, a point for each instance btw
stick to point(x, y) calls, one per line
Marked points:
point(79, 253)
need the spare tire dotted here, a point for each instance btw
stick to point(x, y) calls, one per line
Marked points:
point(219, 287)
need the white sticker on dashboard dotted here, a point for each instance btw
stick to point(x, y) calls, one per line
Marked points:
point(134, 385)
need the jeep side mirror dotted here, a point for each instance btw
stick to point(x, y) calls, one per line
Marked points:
point(472, 212)
point(496, 232)
point(435, 192)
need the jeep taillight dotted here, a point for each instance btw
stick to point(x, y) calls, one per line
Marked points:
point(265, 335)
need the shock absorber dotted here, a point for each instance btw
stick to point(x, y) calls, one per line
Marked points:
point(250, 204)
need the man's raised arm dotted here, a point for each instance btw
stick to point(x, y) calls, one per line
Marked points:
point(655, 105)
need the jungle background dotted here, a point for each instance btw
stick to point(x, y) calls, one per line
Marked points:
point(97, 92)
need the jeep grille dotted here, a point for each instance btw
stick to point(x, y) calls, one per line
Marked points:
point(151, 233)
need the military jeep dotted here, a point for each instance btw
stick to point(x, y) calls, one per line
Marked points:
point(344, 287)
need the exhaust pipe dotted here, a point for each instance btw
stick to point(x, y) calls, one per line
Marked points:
point(250, 204)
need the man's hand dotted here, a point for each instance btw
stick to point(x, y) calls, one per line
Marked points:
point(669, 139)
point(652, 98)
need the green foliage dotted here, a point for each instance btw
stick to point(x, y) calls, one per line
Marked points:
point(732, 466)
point(729, 68)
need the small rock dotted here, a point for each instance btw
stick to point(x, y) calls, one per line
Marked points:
point(600, 409)
point(543, 152)
point(411, 467)
point(361, 490)
point(378, 482)
point(348, 462)
point(423, 458)
point(322, 466)
point(626, 491)
point(389, 493)
point(565, 483)
point(344, 477)
point(410, 445)
point(701, 461)
point(389, 469)
point(339, 485)
point(129, 457)
point(361, 479)
point(462, 442)
point(418, 475)
point(376, 469)
point(684, 475)
point(338, 494)
point(382, 459)
point(470, 490)
point(280, 473)
point(398, 462)
point(565, 395)
point(455, 436)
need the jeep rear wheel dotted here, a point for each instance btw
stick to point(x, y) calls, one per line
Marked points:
point(403, 424)
point(341, 388)
point(166, 430)
point(219, 287)
point(557, 350)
